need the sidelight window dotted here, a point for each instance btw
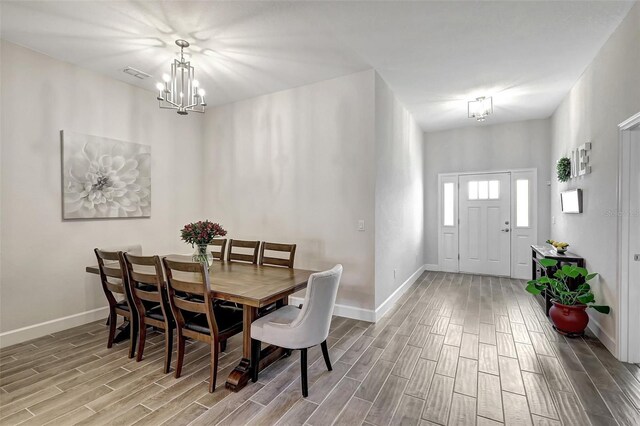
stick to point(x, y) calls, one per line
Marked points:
point(449, 204)
point(522, 203)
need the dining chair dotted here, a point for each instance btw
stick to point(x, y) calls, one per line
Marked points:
point(265, 259)
point(145, 279)
point(219, 242)
point(291, 327)
point(198, 317)
point(269, 259)
point(112, 277)
point(235, 256)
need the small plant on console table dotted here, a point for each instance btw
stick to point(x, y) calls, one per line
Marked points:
point(568, 312)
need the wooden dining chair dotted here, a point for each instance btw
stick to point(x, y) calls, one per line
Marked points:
point(291, 327)
point(198, 317)
point(222, 243)
point(287, 262)
point(236, 256)
point(149, 296)
point(112, 277)
point(269, 259)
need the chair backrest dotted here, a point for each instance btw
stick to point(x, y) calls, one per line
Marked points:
point(265, 259)
point(111, 273)
point(146, 282)
point(185, 279)
point(222, 243)
point(243, 257)
point(314, 319)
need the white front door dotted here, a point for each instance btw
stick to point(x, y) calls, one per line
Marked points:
point(485, 224)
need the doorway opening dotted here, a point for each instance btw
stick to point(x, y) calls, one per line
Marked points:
point(487, 222)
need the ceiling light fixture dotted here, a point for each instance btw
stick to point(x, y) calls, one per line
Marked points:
point(180, 89)
point(480, 108)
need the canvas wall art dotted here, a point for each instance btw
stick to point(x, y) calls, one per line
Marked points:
point(104, 178)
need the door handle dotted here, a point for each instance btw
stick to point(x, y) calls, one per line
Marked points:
point(505, 230)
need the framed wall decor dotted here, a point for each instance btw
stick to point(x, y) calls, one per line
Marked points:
point(104, 178)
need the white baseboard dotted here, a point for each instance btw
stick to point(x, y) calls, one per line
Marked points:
point(369, 315)
point(387, 304)
point(432, 267)
point(19, 335)
point(343, 310)
point(607, 341)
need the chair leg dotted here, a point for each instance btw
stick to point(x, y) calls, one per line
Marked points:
point(112, 326)
point(168, 347)
point(325, 354)
point(255, 359)
point(223, 345)
point(180, 359)
point(133, 336)
point(213, 374)
point(142, 337)
point(303, 368)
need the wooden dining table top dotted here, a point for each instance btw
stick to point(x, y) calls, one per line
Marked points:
point(244, 283)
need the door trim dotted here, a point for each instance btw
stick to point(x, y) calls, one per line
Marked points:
point(624, 337)
point(445, 176)
point(445, 264)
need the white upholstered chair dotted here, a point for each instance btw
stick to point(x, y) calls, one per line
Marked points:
point(291, 327)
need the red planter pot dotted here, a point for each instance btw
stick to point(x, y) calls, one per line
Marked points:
point(569, 320)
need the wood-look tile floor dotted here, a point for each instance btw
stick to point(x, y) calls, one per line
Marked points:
point(455, 350)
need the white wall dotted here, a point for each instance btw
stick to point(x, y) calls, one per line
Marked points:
point(524, 144)
point(399, 203)
point(298, 166)
point(43, 257)
point(302, 165)
point(607, 93)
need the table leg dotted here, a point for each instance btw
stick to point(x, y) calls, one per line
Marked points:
point(282, 302)
point(241, 375)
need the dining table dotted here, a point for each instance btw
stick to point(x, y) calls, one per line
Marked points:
point(254, 287)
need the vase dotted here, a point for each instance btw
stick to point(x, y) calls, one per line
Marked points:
point(569, 320)
point(202, 255)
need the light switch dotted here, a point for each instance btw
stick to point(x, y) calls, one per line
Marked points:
point(553, 220)
point(361, 225)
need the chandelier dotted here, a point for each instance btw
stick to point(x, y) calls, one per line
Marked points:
point(480, 108)
point(180, 90)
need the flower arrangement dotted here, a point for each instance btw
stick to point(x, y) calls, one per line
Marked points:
point(202, 232)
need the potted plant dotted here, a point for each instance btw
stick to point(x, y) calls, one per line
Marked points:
point(568, 312)
point(200, 234)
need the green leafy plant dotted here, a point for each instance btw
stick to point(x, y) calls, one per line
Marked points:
point(564, 169)
point(558, 287)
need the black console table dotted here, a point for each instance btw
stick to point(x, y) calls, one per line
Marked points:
point(547, 252)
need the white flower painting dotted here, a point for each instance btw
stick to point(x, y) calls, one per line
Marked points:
point(104, 178)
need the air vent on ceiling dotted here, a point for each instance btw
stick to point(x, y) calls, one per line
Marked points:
point(136, 73)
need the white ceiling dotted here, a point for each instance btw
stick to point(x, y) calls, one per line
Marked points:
point(434, 55)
